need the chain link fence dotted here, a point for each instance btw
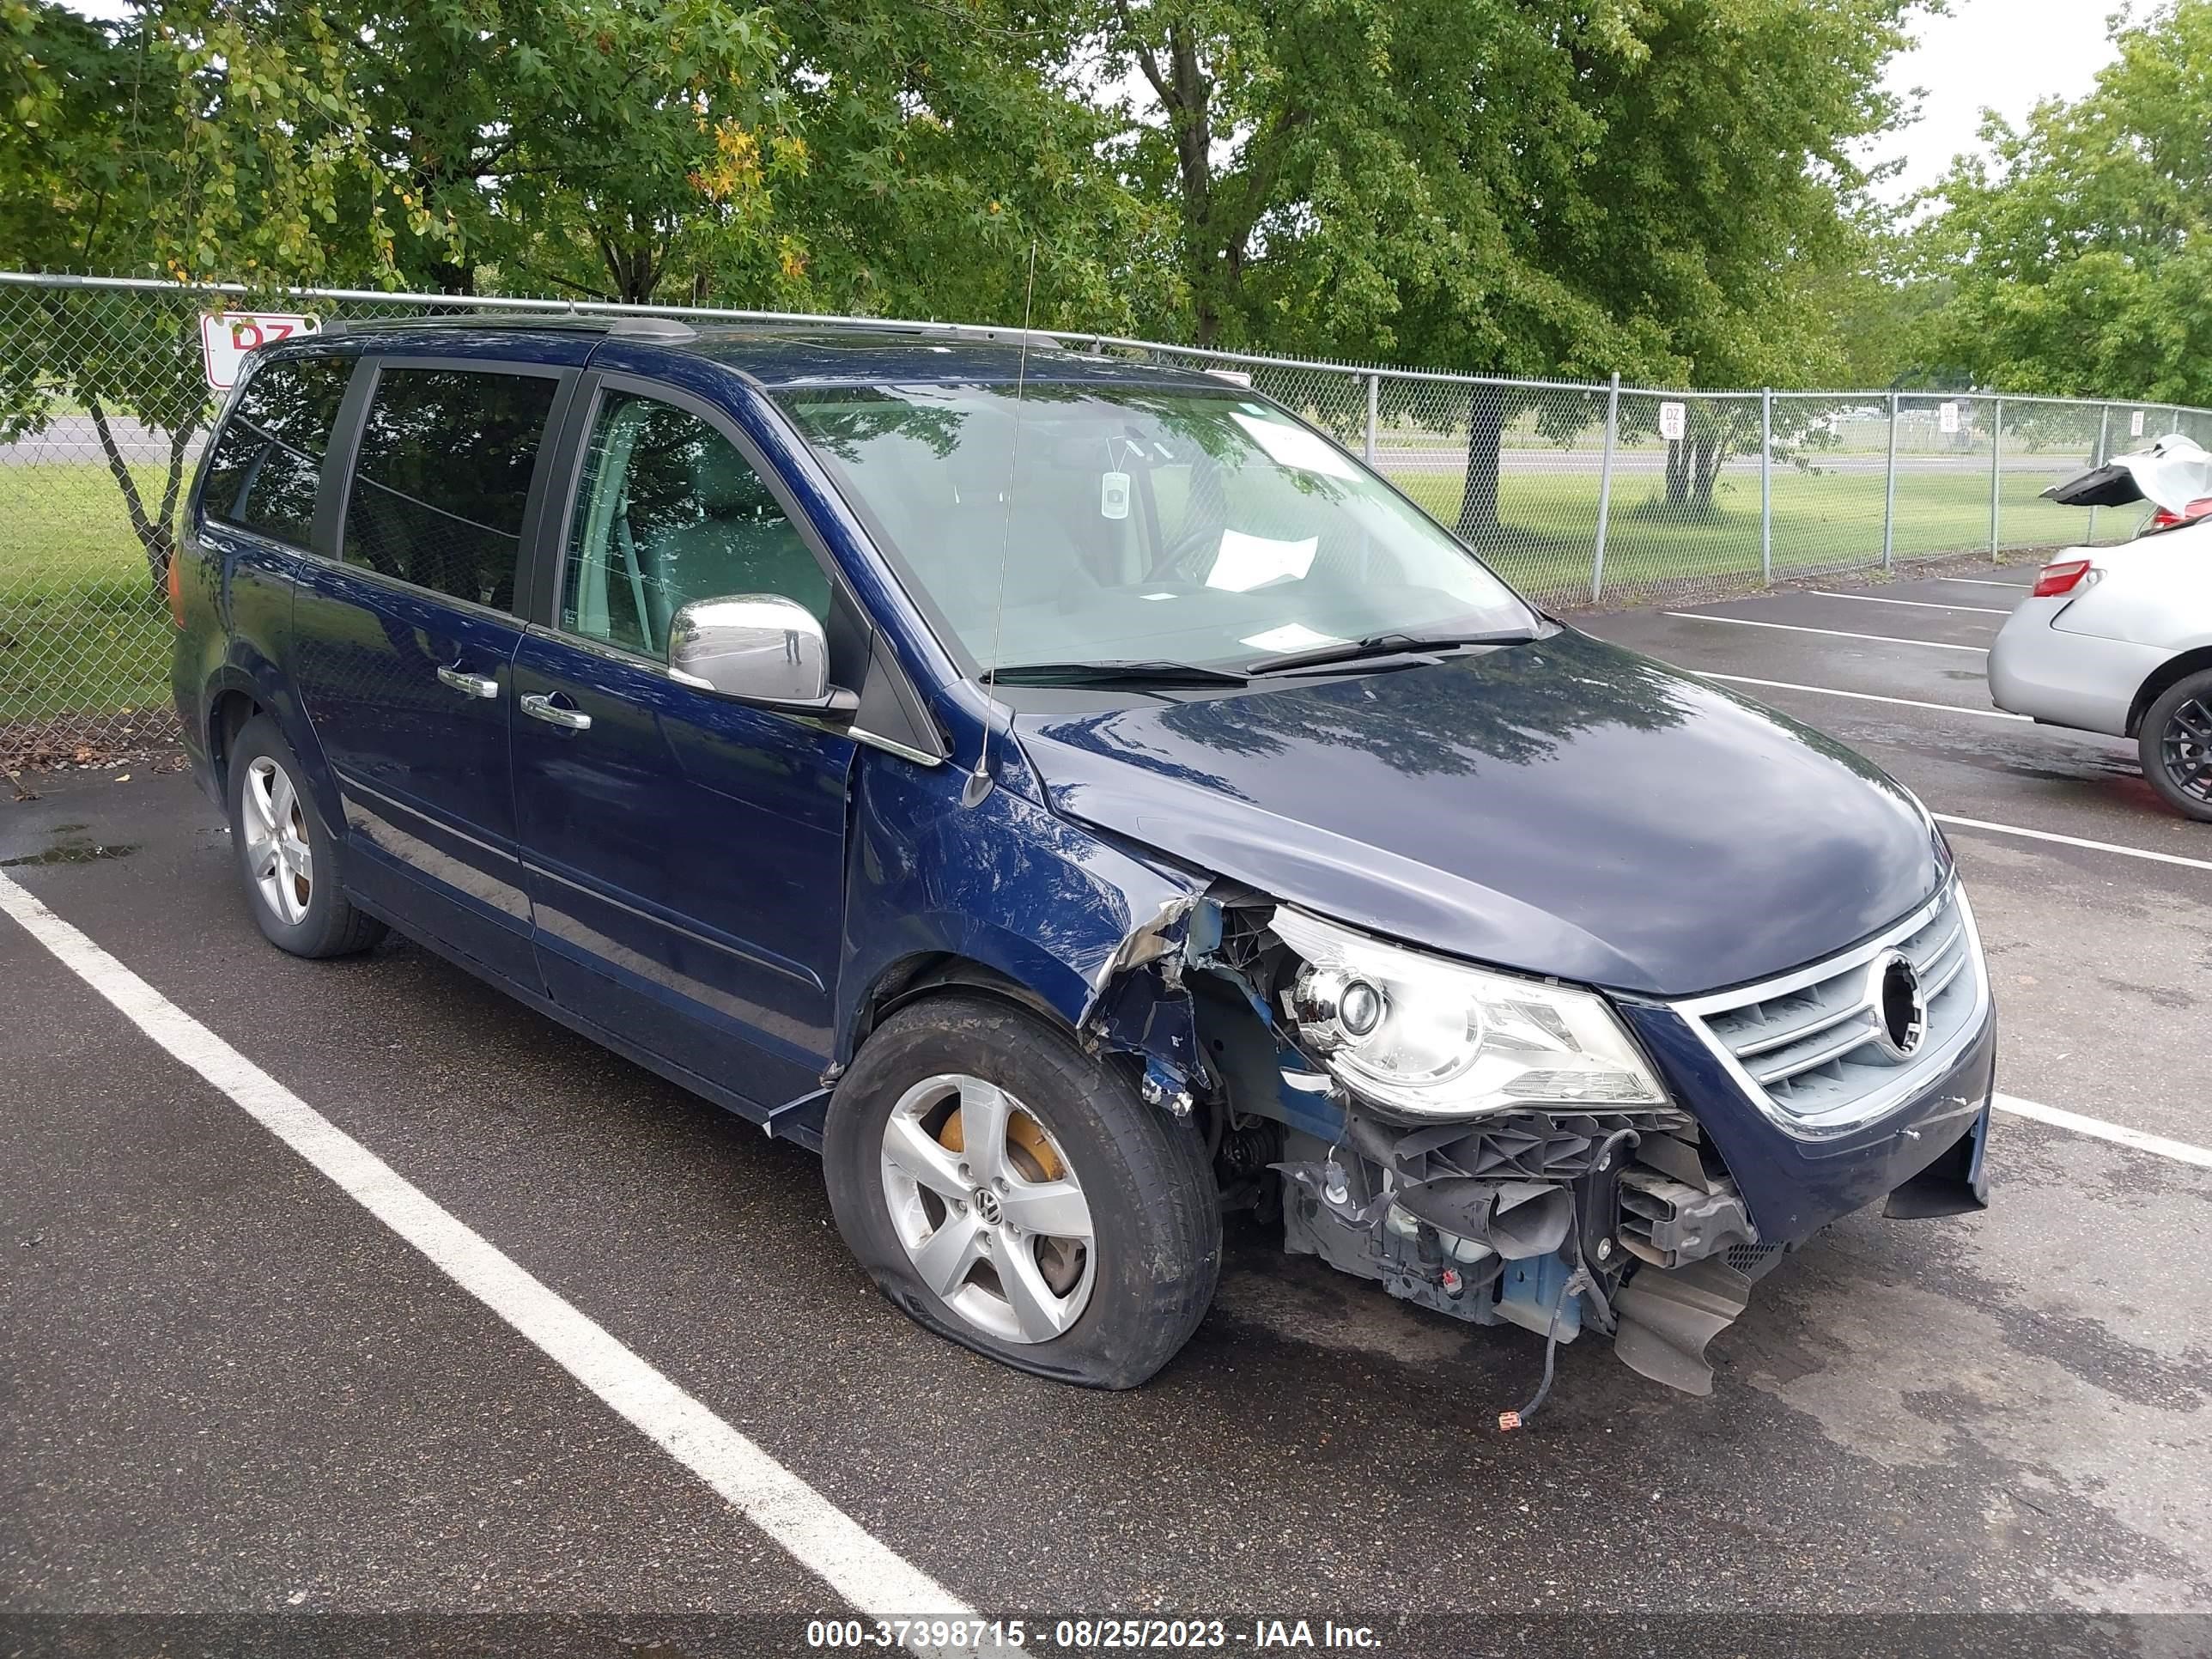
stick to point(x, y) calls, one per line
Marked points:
point(1579, 495)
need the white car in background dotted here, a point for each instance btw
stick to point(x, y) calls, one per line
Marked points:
point(2118, 640)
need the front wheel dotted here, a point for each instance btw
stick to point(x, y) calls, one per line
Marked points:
point(1009, 1192)
point(286, 859)
point(2175, 741)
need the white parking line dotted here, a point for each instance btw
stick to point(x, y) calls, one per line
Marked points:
point(2179, 1151)
point(2074, 840)
point(1978, 581)
point(1833, 633)
point(818, 1535)
point(1861, 696)
point(1917, 605)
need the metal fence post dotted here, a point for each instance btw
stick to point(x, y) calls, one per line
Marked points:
point(1374, 399)
point(2104, 436)
point(1997, 472)
point(1889, 502)
point(1767, 487)
point(1605, 485)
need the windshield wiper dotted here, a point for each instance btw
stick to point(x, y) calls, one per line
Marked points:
point(1137, 674)
point(1414, 647)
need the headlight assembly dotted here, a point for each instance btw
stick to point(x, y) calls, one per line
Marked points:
point(1426, 1038)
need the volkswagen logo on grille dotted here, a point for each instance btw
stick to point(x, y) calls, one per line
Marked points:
point(1900, 1009)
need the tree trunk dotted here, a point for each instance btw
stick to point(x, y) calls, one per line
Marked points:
point(1206, 316)
point(1486, 441)
point(1186, 94)
point(153, 534)
point(453, 277)
point(1678, 474)
point(632, 260)
point(1705, 465)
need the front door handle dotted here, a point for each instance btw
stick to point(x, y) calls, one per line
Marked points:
point(540, 705)
point(468, 685)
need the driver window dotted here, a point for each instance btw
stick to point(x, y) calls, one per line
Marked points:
point(667, 512)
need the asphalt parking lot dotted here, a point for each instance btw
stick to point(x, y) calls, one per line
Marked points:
point(227, 1385)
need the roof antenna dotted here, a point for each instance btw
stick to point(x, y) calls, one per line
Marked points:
point(979, 780)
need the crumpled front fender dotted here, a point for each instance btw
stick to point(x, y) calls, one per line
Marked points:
point(1082, 924)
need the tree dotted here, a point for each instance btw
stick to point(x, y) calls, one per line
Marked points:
point(571, 144)
point(943, 141)
point(1718, 198)
point(200, 138)
point(2080, 254)
point(882, 156)
point(1325, 160)
point(1531, 186)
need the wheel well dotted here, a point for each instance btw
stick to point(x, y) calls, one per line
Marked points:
point(225, 722)
point(2188, 663)
point(931, 975)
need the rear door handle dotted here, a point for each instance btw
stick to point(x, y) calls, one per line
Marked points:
point(468, 685)
point(540, 705)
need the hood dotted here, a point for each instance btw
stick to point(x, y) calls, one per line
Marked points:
point(1562, 807)
point(2171, 473)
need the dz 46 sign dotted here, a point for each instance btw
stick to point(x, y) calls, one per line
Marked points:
point(227, 336)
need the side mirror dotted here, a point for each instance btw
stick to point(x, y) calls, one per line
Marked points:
point(758, 647)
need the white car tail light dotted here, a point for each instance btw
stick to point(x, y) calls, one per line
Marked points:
point(2166, 519)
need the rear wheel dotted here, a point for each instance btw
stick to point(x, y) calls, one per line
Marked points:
point(1010, 1192)
point(286, 860)
point(2175, 742)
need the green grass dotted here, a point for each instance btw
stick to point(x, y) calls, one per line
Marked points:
point(1548, 523)
point(83, 631)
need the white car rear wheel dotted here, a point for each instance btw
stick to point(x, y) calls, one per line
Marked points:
point(2176, 743)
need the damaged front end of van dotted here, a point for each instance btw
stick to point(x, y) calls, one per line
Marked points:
point(1506, 1149)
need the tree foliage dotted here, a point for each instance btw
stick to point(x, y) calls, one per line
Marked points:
point(1519, 186)
point(1527, 186)
point(1551, 187)
point(945, 139)
point(204, 138)
point(578, 145)
point(1522, 186)
point(2080, 256)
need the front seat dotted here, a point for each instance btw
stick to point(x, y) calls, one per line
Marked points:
point(742, 543)
point(1024, 548)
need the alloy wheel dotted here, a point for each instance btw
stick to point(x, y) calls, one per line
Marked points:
point(278, 857)
point(988, 1209)
point(2186, 749)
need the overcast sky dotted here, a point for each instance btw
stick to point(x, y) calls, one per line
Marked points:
point(1998, 54)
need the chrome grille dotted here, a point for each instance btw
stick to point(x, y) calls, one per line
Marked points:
point(1808, 1046)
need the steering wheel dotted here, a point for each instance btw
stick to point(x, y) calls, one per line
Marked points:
point(1191, 542)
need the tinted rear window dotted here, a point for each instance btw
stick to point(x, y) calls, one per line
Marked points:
point(442, 476)
point(269, 459)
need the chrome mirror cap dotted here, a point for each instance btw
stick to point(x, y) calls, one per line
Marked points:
point(760, 647)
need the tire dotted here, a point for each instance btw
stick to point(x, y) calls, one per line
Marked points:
point(1114, 1310)
point(2175, 741)
point(295, 899)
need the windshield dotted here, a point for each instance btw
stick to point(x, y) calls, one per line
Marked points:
point(1141, 523)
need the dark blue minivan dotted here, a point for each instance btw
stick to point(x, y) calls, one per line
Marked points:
point(1082, 802)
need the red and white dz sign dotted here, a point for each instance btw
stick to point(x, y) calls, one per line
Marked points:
point(227, 336)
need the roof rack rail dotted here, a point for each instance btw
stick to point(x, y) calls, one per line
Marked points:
point(667, 329)
point(652, 328)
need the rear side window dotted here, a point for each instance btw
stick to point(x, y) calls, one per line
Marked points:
point(264, 468)
point(441, 478)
